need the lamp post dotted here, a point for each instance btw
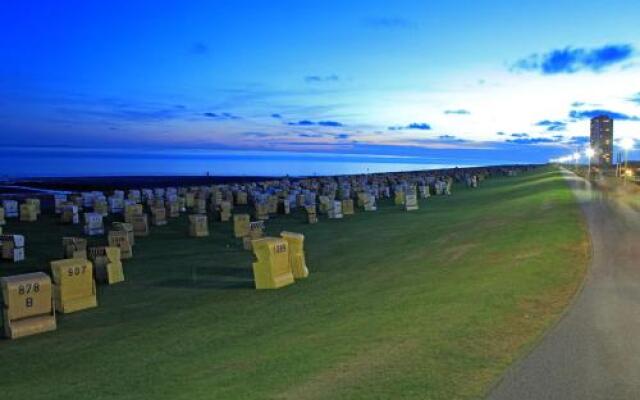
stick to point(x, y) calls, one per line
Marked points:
point(589, 153)
point(576, 157)
point(626, 144)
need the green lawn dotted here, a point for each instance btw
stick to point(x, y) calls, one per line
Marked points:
point(432, 304)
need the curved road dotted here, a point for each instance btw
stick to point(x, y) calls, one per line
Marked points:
point(594, 351)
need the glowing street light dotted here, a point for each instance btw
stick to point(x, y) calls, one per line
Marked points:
point(589, 152)
point(576, 158)
point(626, 144)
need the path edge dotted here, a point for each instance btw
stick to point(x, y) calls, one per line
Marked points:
point(519, 359)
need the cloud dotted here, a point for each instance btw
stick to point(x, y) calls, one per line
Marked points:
point(419, 125)
point(221, 116)
point(389, 23)
point(330, 123)
point(257, 134)
point(339, 136)
point(635, 98)
point(588, 114)
point(303, 122)
point(579, 140)
point(306, 122)
point(277, 116)
point(458, 112)
point(524, 138)
point(552, 126)
point(230, 116)
point(578, 104)
point(414, 125)
point(634, 141)
point(199, 48)
point(532, 140)
point(321, 79)
point(450, 138)
point(570, 60)
point(127, 113)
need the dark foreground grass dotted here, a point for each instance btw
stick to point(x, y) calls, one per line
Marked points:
point(432, 304)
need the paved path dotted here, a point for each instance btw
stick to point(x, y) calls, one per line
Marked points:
point(594, 351)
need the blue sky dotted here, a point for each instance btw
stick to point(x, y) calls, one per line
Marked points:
point(477, 79)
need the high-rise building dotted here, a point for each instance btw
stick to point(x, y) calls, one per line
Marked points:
point(602, 140)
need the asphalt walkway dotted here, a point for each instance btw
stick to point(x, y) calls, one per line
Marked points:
point(594, 351)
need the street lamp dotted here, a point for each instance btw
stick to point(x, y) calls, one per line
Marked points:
point(589, 152)
point(626, 144)
point(576, 158)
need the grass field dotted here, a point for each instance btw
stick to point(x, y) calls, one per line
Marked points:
point(432, 304)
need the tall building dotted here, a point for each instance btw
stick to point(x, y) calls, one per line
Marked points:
point(602, 140)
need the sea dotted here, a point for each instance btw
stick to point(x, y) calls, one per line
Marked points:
point(80, 162)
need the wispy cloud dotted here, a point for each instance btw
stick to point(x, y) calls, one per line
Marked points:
point(447, 145)
point(578, 140)
point(570, 60)
point(330, 123)
point(519, 135)
point(315, 135)
point(423, 126)
point(321, 78)
point(220, 116)
point(552, 126)
point(303, 122)
point(532, 140)
point(450, 138)
point(257, 134)
point(115, 110)
point(389, 23)
point(458, 112)
point(306, 122)
point(635, 98)
point(588, 114)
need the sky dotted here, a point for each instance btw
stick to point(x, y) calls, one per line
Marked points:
point(476, 80)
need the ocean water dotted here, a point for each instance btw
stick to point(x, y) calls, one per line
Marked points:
point(76, 162)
